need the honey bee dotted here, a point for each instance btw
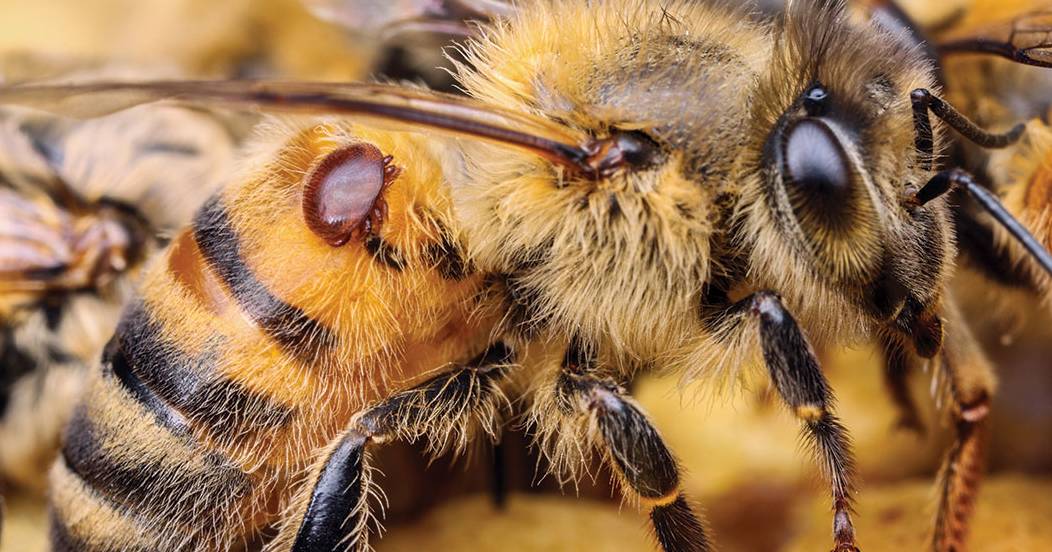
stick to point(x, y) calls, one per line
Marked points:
point(994, 92)
point(79, 215)
point(416, 38)
point(442, 17)
point(637, 185)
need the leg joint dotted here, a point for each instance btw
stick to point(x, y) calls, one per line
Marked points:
point(975, 411)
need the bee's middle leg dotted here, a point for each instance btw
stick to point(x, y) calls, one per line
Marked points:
point(632, 447)
point(800, 382)
point(441, 410)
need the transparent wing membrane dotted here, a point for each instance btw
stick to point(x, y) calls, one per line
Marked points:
point(419, 109)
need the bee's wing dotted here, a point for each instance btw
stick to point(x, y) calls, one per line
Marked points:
point(390, 18)
point(411, 109)
point(1025, 39)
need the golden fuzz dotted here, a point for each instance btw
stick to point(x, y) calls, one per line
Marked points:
point(1025, 174)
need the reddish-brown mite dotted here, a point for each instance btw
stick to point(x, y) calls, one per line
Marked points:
point(343, 198)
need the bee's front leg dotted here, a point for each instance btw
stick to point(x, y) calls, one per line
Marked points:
point(334, 513)
point(970, 384)
point(802, 385)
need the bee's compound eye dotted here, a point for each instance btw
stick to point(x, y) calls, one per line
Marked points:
point(343, 192)
point(815, 165)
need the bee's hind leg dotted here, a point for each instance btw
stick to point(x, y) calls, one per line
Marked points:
point(631, 445)
point(970, 384)
point(802, 385)
point(334, 513)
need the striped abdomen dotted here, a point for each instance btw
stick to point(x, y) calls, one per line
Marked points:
point(220, 385)
point(143, 463)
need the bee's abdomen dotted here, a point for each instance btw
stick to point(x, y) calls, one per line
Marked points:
point(131, 472)
point(155, 457)
point(298, 334)
point(180, 389)
point(151, 486)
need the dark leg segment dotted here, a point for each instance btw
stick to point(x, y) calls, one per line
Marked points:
point(440, 409)
point(677, 526)
point(634, 449)
point(499, 482)
point(799, 380)
point(337, 510)
point(897, 369)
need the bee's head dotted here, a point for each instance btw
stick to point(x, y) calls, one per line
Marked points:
point(833, 137)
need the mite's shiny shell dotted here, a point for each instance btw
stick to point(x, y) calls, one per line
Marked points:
point(343, 197)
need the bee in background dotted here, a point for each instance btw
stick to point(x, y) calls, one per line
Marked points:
point(414, 36)
point(442, 17)
point(1023, 176)
point(782, 189)
point(997, 92)
point(82, 205)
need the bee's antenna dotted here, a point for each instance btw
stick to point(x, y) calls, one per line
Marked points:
point(923, 101)
point(989, 202)
point(958, 178)
point(418, 108)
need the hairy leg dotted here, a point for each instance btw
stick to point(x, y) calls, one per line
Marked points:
point(334, 513)
point(614, 424)
point(800, 382)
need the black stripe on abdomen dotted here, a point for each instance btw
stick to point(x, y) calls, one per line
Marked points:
point(152, 486)
point(294, 330)
point(176, 386)
point(62, 540)
point(115, 363)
